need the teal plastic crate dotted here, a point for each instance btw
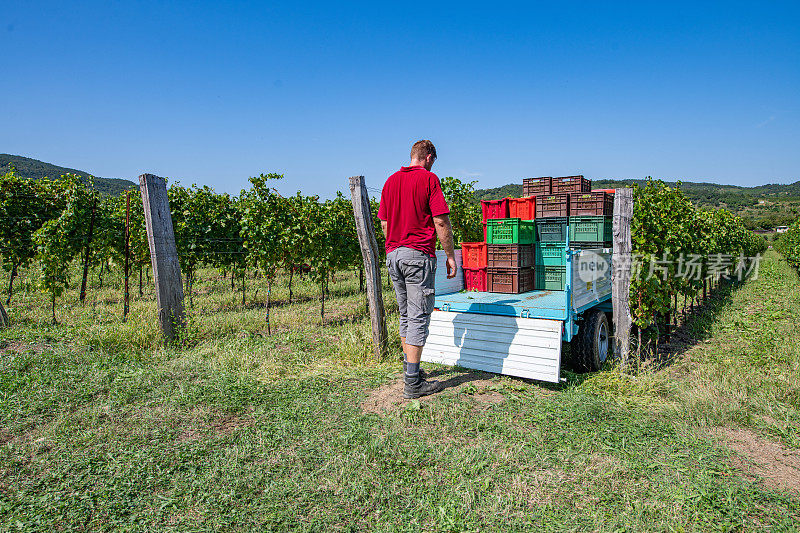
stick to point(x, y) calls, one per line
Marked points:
point(510, 231)
point(551, 278)
point(551, 229)
point(590, 229)
point(551, 253)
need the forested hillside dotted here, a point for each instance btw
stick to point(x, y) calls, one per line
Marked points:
point(761, 207)
point(33, 168)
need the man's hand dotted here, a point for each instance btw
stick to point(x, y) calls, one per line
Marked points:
point(452, 268)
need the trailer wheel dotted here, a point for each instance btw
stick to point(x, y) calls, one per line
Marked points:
point(590, 347)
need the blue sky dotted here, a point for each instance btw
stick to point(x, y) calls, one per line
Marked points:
point(215, 92)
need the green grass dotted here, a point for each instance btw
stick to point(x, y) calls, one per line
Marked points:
point(103, 428)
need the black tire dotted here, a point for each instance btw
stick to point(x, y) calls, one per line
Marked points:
point(591, 346)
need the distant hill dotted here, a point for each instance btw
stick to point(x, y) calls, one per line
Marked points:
point(33, 168)
point(761, 207)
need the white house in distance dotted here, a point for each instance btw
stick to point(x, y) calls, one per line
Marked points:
point(782, 229)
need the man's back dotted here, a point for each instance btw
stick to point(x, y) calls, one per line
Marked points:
point(410, 199)
point(413, 212)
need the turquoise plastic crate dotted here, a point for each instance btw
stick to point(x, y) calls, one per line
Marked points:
point(551, 278)
point(551, 229)
point(590, 229)
point(551, 253)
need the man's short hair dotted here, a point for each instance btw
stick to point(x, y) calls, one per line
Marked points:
point(423, 149)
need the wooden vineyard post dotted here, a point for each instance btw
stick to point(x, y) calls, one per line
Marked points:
point(163, 254)
point(4, 321)
point(126, 304)
point(370, 255)
point(621, 273)
point(88, 249)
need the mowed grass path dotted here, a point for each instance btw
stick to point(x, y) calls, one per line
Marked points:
point(101, 429)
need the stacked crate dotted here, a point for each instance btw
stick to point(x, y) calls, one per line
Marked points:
point(570, 184)
point(522, 208)
point(590, 220)
point(563, 215)
point(493, 209)
point(473, 261)
point(551, 253)
point(552, 219)
point(525, 239)
point(536, 186)
point(474, 254)
point(510, 255)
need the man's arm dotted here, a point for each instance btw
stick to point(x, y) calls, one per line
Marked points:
point(384, 225)
point(444, 230)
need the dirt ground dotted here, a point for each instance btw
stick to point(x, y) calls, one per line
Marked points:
point(390, 396)
point(776, 464)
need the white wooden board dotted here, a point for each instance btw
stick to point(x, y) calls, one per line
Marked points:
point(522, 347)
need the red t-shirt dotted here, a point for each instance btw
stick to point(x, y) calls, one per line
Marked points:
point(410, 199)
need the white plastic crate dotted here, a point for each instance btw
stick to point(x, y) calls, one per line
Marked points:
point(442, 284)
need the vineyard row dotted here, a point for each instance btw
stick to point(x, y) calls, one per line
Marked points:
point(58, 222)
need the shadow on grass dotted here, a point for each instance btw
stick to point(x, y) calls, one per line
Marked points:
point(466, 375)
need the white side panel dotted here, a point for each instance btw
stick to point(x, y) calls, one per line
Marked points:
point(522, 347)
point(442, 284)
point(591, 277)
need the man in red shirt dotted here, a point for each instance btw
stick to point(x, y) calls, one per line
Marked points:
point(413, 213)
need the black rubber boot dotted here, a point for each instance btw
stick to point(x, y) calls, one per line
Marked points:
point(416, 386)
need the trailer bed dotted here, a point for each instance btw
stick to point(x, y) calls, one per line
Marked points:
point(533, 304)
point(517, 334)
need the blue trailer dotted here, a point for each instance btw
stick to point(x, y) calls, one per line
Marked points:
point(522, 334)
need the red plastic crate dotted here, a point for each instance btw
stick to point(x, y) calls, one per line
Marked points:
point(536, 186)
point(596, 203)
point(473, 254)
point(524, 208)
point(475, 279)
point(552, 205)
point(570, 184)
point(494, 209)
point(484, 232)
point(609, 191)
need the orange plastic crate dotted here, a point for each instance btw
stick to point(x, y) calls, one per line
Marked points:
point(473, 254)
point(524, 208)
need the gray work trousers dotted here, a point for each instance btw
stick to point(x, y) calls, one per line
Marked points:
point(413, 273)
